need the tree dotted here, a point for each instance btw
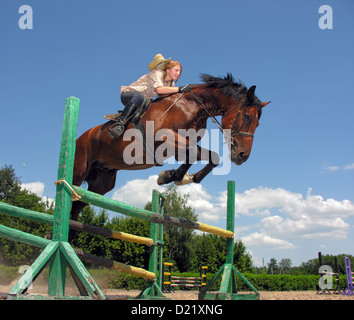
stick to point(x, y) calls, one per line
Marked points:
point(273, 267)
point(90, 243)
point(285, 265)
point(242, 259)
point(209, 250)
point(131, 253)
point(11, 252)
point(312, 266)
point(9, 183)
point(179, 239)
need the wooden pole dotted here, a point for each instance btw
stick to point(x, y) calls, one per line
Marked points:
point(78, 226)
point(129, 210)
point(17, 212)
point(57, 270)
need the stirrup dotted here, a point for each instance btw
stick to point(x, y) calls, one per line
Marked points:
point(113, 116)
point(116, 130)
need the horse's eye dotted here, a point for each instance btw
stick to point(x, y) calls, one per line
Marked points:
point(247, 117)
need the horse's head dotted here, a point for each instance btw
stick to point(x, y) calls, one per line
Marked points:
point(242, 119)
point(241, 111)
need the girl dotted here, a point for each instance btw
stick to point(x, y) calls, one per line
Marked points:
point(160, 80)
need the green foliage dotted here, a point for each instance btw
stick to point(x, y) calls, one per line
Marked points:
point(209, 250)
point(96, 245)
point(286, 282)
point(128, 282)
point(14, 253)
point(9, 183)
point(180, 240)
point(130, 253)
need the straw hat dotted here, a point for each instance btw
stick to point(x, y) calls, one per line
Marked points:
point(159, 62)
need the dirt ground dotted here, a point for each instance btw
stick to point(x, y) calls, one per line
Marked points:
point(271, 295)
point(192, 295)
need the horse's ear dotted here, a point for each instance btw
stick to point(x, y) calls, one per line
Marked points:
point(250, 93)
point(263, 104)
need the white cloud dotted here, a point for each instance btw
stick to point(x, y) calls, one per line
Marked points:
point(349, 167)
point(137, 192)
point(34, 187)
point(333, 168)
point(38, 189)
point(258, 239)
point(259, 201)
point(282, 217)
point(294, 216)
point(202, 202)
point(337, 168)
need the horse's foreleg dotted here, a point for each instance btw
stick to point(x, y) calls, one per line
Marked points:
point(191, 155)
point(212, 157)
point(203, 154)
point(181, 154)
point(168, 176)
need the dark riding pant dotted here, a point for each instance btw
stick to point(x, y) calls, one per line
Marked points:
point(132, 97)
point(131, 100)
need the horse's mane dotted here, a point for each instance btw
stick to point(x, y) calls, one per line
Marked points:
point(230, 88)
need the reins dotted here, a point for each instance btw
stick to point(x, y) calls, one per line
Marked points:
point(214, 120)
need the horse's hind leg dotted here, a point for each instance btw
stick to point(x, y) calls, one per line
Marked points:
point(99, 181)
point(81, 171)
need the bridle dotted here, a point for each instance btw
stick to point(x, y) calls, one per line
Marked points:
point(217, 123)
point(236, 119)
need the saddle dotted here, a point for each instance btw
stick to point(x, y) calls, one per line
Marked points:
point(140, 111)
point(135, 119)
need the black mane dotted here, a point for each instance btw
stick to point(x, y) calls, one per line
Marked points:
point(231, 88)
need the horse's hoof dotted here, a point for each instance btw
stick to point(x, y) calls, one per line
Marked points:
point(187, 178)
point(165, 177)
point(161, 178)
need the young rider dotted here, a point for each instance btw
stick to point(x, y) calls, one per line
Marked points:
point(160, 80)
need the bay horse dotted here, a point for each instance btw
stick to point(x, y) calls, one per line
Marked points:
point(98, 157)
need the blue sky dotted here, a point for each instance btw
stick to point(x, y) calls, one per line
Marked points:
point(294, 194)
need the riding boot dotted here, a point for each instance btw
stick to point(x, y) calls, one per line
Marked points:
point(117, 130)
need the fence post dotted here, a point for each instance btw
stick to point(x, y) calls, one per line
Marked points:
point(228, 289)
point(57, 271)
point(153, 288)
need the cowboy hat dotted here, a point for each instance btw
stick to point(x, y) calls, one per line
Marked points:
point(159, 62)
